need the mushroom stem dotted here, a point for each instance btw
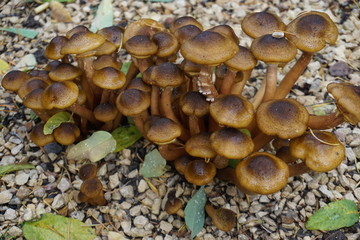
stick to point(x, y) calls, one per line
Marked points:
point(171, 151)
point(228, 81)
point(143, 63)
point(259, 95)
point(228, 174)
point(271, 79)
point(261, 140)
point(155, 93)
point(205, 84)
point(238, 87)
point(326, 121)
point(83, 112)
point(298, 169)
point(139, 121)
point(194, 126)
point(292, 76)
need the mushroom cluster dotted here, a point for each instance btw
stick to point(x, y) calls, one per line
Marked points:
point(184, 92)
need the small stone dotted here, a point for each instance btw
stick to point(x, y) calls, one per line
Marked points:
point(53, 148)
point(115, 236)
point(357, 193)
point(114, 181)
point(127, 191)
point(310, 199)
point(126, 226)
point(324, 190)
point(165, 226)
point(15, 231)
point(350, 196)
point(143, 186)
point(58, 202)
point(28, 214)
point(140, 221)
point(264, 199)
point(339, 69)
point(23, 192)
point(135, 211)
point(5, 196)
point(15, 150)
point(10, 214)
point(64, 184)
point(39, 192)
point(155, 209)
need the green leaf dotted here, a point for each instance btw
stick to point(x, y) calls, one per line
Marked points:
point(125, 136)
point(56, 227)
point(125, 67)
point(4, 67)
point(246, 132)
point(233, 162)
point(28, 62)
point(56, 120)
point(14, 167)
point(335, 215)
point(96, 147)
point(22, 31)
point(195, 213)
point(154, 164)
point(104, 16)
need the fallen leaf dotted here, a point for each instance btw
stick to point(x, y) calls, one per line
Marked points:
point(125, 67)
point(94, 148)
point(5, 169)
point(56, 120)
point(233, 162)
point(335, 215)
point(4, 67)
point(22, 31)
point(27, 62)
point(195, 212)
point(154, 164)
point(104, 16)
point(59, 12)
point(125, 136)
point(56, 227)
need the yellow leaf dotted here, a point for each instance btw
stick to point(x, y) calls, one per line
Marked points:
point(4, 67)
point(59, 12)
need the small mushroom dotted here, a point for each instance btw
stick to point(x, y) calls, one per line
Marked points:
point(199, 172)
point(224, 219)
point(174, 206)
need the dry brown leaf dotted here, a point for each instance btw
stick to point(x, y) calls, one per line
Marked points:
point(59, 12)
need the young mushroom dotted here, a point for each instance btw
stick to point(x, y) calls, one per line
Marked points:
point(224, 219)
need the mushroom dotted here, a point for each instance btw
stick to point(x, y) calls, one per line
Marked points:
point(199, 172)
point(199, 145)
point(66, 133)
point(87, 171)
point(39, 138)
point(13, 80)
point(174, 206)
point(224, 219)
point(161, 130)
point(91, 191)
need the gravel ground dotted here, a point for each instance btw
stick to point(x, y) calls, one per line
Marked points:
point(135, 211)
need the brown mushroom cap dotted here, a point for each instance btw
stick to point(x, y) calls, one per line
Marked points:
point(144, 26)
point(167, 44)
point(262, 173)
point(112, 34)
point(106, 61)
point(38, 137)
point(226, 31)
point(91, 187)
point(270, 49)
point(66, 133)
point(224, 219)
point(194, 103)
point(181, 162)
point(284, 118)
point(199, 146)
point(347, 98)
point(109, 78)
point(82, 42)
point(132, 102)
point(138, 83)
point(87, 171)
point(105, 112)
point(232, 110)
point(186, 33)
point(64, 72)
point(184, 21)
point(33, 99)
point(261, 23)
point(13, 80)
point(318, 156)
point(242, 61)
point(231, 143)
point(77, 29)
point(310, 31)
point(32, 84)
point(141, 46)
point(209, 48)
point(164, 75)
point(199, 172)
point(173, 205)
point(161, 130)
point(53, 50)
point(60, 95)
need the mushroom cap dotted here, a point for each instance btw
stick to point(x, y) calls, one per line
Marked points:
point(53, 49)
point(143, 26)
point(167, 44)
point(105, 112)
point(258, 24)
point(284, 118)
point(186, 33)
point(82, 42)
point(232, 110)
point(226, 31)
point(199, 172)
point(318, 156)
point(310, 31)
point(106, 61)
point(138, 83)
point(173, 205)
point(231, 143)
point(32, 84)
point(190, 68)
point(160, 130)
point(87, 171)
point(13, 80)
point(52, 65)
point(60, 95)
point(209, 48)
point(347, 98)
point(184, 21)
point(132, 102)
point(270, 49)
point(38, 137)
point(109, 78)
point(224, 219)
point(64, 72)
point(164, 75)
point(66, 133)
point(181, 162)
point(199, 146)
point(141, 46)
point(77, 29)
point(112, 34)
point(194, 103)
point(33, 99)
point(91, 187)
point(262, 173)
point(242, 61)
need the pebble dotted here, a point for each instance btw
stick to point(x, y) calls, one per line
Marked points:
point(64, 184)
point(10, 214)
point(140, 221)
point(127, 191)
point(58, 202)
point(324, 190)
point(5, 196)
point(114, 181)
point(15, 231)
point(142, 186)
point(39, 192)
point(165, 226)
point(155, 209)
point(17, 149)
point(310, 199)
point(135, 211)
point(28, 214)
point(23, 192)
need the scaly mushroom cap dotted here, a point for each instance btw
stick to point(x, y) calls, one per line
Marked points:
point(13, 80)
point(60, 95)
point(64, 72)
point(82, 42)
point(164, 75)
point(231, 143)
point(209, 48)
point(284, 118)
point(33, 100)
point(53, 50)
point(190, 68)
point(262, 173)
point(173, 205)
point(66, 133)
point(106, 61)
point(186, 33)
point(347, 98)
point(141, 46)
point(194, 103)
point(52, 65)
point(199, 146)
point(112, 34)
point(226, 31)
point(181, 162)
point(199, 172)
point(138, 83)
point(167, 44)
point(310, 31)
point(109, 78)
point(224, 219)
point(232, 110)
point(32, 84)
point(87, 171)
point(38, 137)
point(318, 156)
point(161, 130)
point(105, 112)
point(184, 21)
point(242, 61)
point(144, 26)
point(270, 49)
point(261, 23)
point(132, 102)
